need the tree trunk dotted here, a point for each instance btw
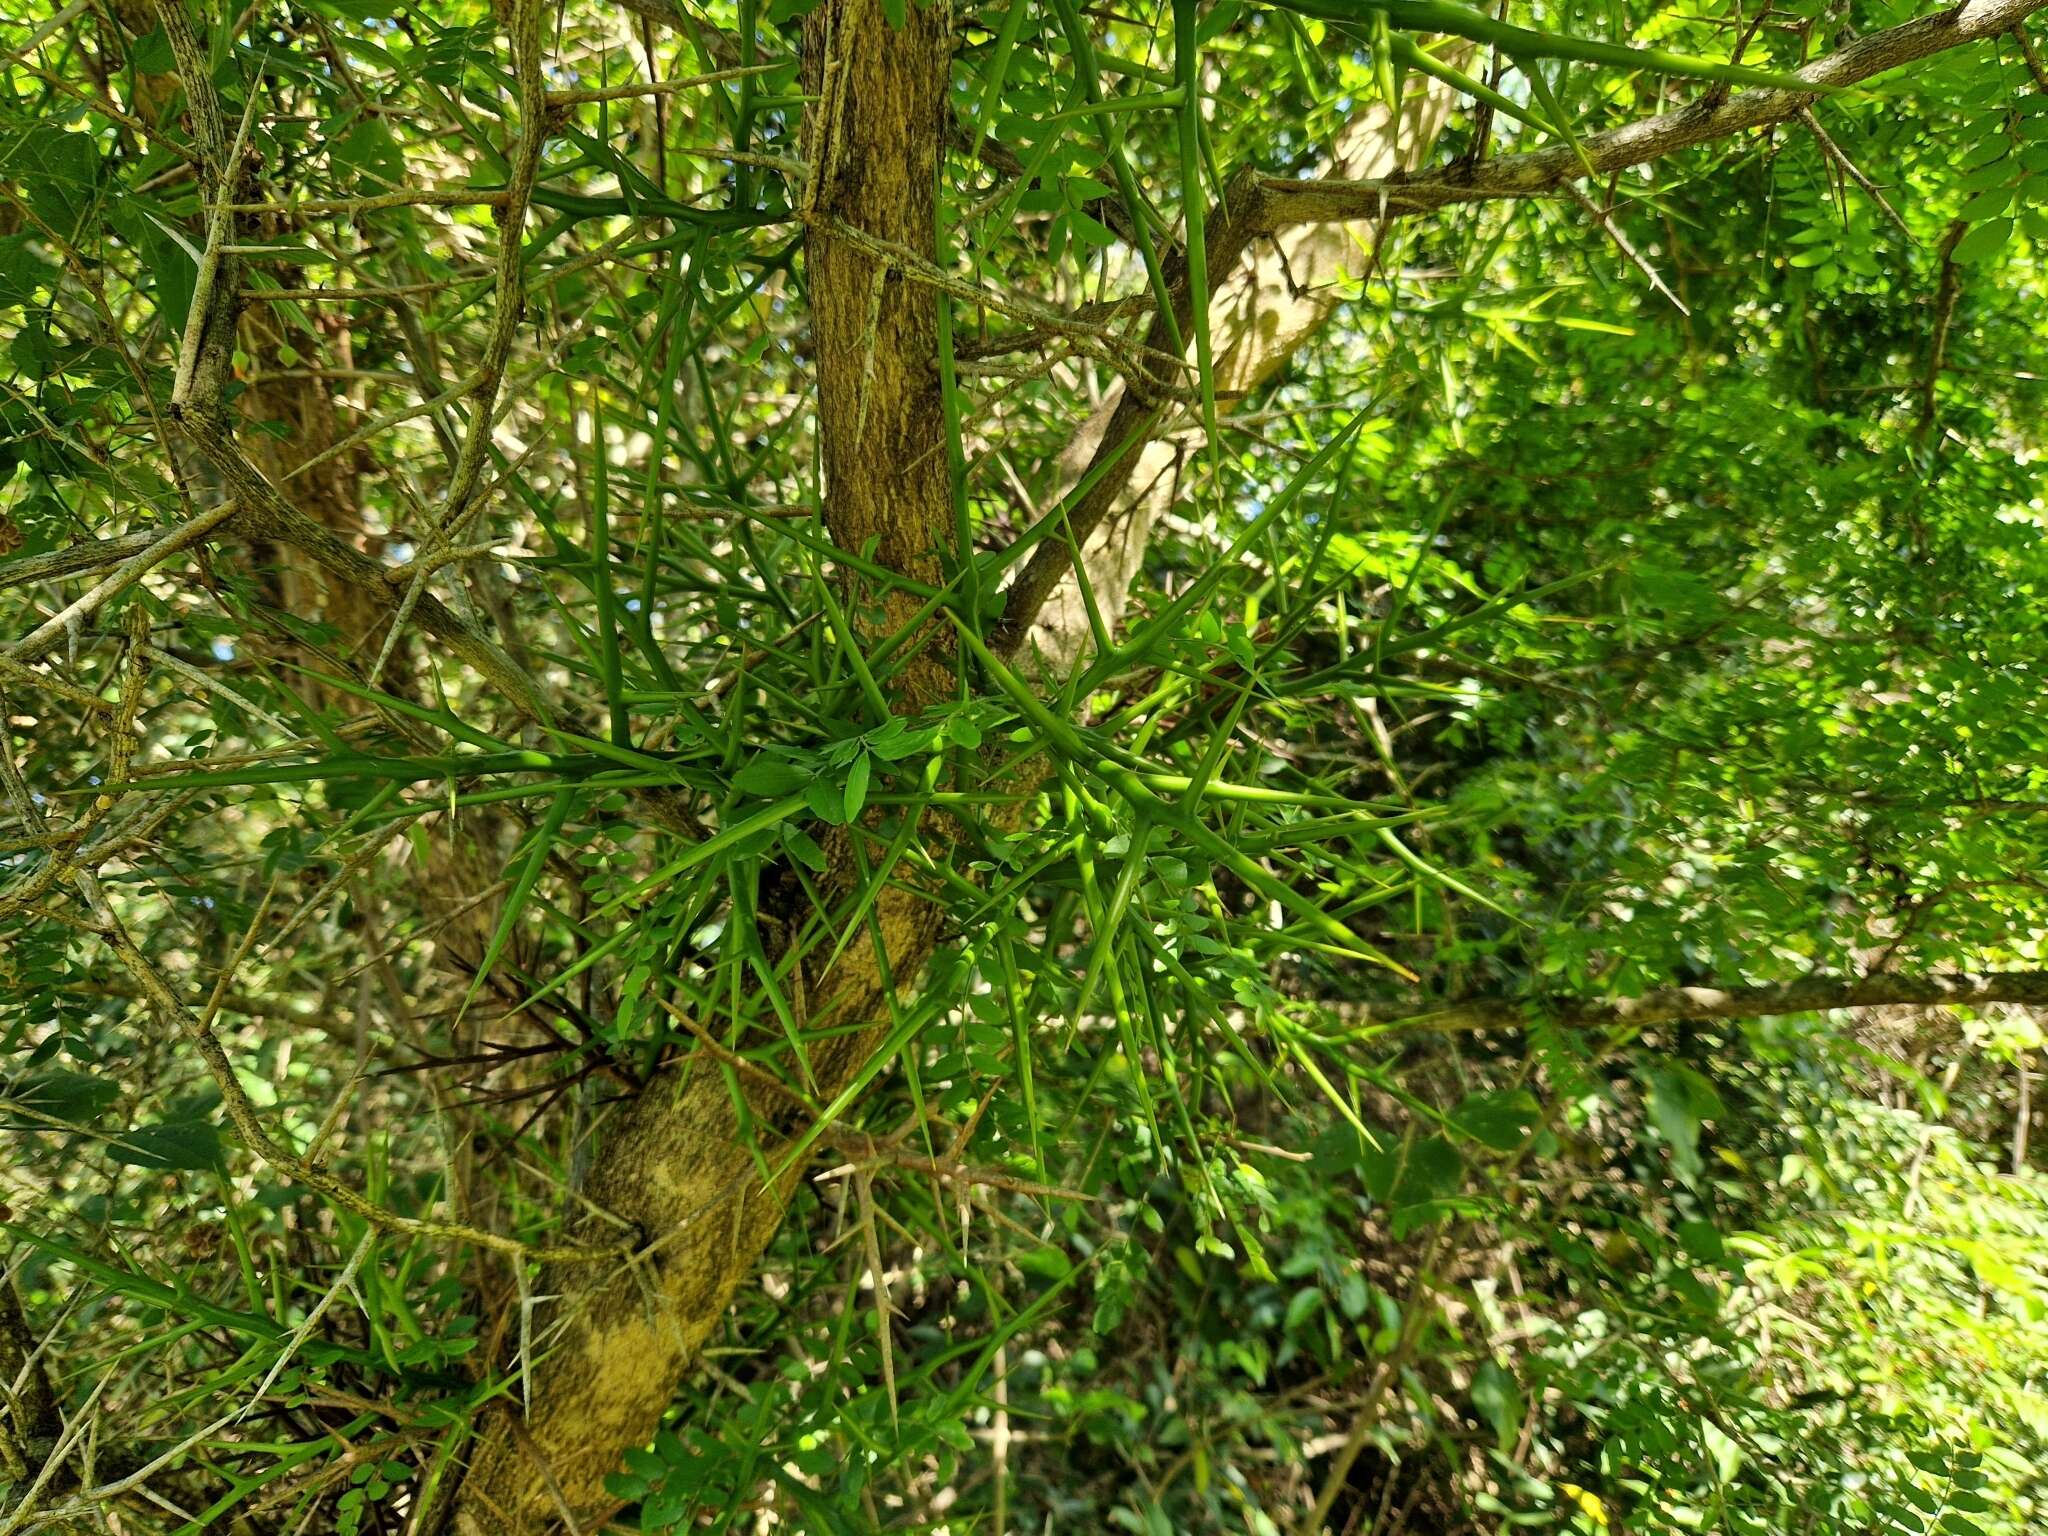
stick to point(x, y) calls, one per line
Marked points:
point(674, 1163)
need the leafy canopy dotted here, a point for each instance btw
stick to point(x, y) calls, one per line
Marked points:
point(1626, 580)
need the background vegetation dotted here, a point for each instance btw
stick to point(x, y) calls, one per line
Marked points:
point(482, 695)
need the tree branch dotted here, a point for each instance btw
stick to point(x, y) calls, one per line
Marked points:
point(1946, 292)
point(1256, 205)
point(1288, 200)
point(1810, 994)
point(266, 513)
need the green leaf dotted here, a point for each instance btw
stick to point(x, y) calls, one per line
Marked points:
point(1993, 1269)
point(1679, 1101)
point(1500, 1120)
point(1498, 1397)
point(1701, 1241)
point(150, 54)
point(58, 170)
point(1722, 1449)
point(827, 802)
point(1399, 1176)
point(1353, 1295)
point(770, 777)
point(857, 785)
point(999, 70)
point(804, 847)
point(1300, 1307)
point(1986, 205)
point(76, 1098)
point(625, 1488)
point(1983, 152)
point(23, 269)
point(544, 840)
point(184, 1144)
point(1984, 241)
point(1521, 43)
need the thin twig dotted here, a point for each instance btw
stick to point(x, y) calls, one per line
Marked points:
point(1614, 233)
point(259, 1140)
point(1948, 288)
point(1854, 172)
point(580, 97)
point(32, 645)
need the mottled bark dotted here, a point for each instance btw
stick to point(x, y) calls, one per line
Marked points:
point(873, 142)
point(673, 1164)
point(28, 1409)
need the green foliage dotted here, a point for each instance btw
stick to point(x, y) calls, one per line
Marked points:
point(1528, 636)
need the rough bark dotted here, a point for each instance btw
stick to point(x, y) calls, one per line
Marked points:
point(674, 1164)
point(29, 1417)
point(873, 142)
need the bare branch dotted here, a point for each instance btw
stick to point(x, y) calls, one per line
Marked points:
point(1947, 291)
point(1811, 994)
point(1849, 168)
point(1539, 173)
point(32, 646)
